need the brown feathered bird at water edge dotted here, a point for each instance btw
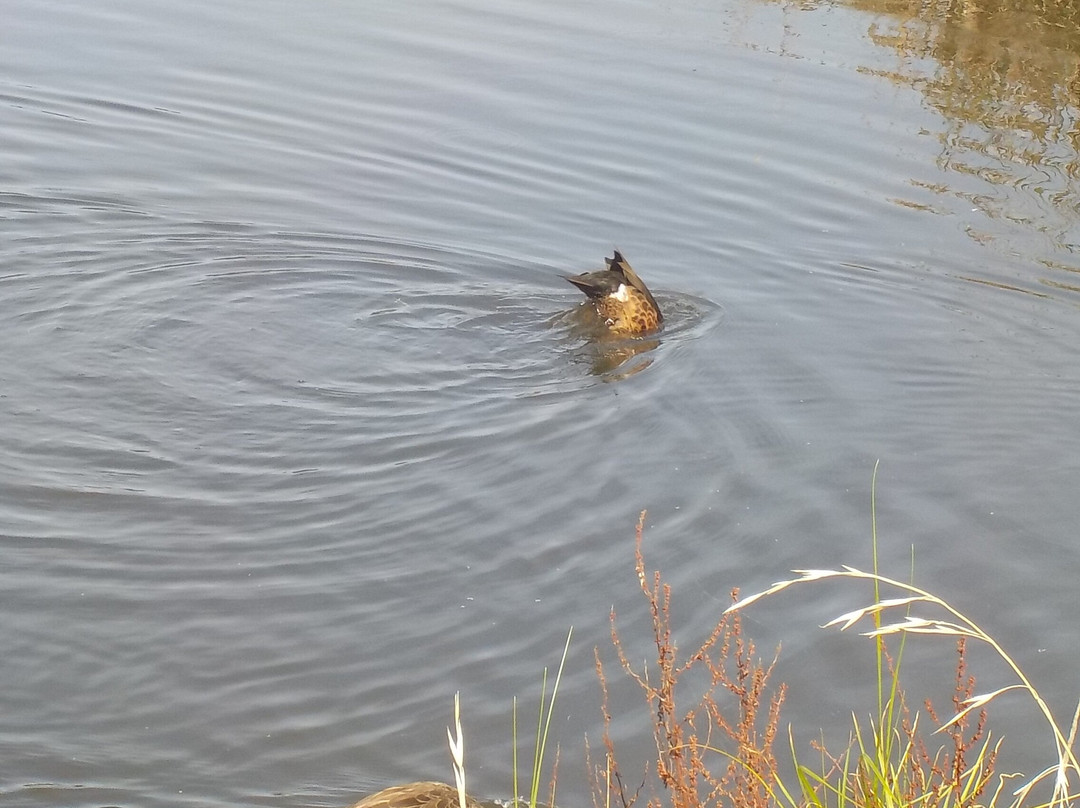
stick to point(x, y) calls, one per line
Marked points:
point(620, 297)
point(425, 794)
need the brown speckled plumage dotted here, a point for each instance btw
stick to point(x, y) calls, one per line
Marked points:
point(620, 297)
point(425, 794)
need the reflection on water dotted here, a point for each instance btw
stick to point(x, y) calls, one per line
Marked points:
point(611, 358)
point(1000, 80)
point(305, 438)
point(1005, 76)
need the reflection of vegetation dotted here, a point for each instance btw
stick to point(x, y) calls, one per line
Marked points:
point(1010, 66)
point(1005, 74)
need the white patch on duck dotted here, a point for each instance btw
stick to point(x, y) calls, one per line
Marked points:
point(622, 294)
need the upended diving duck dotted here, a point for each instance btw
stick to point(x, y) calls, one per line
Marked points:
point(621, 299)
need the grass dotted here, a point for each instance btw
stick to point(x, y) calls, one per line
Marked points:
point(719, 751)
point(960, 782)
point(543, 726)
point(456, 740)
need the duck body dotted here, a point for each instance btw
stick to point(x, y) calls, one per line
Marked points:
point(620, 297)
point(423, 794)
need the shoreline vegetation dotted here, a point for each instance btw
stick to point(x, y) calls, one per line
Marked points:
point(720, 752)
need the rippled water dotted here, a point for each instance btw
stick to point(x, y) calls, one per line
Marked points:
point(301, 438)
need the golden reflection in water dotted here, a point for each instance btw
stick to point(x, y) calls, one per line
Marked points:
point(612, 360)
point(1006, 80)
point(1005, 76)
point(1009, 66)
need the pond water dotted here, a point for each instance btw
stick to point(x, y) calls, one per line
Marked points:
point(298, 440)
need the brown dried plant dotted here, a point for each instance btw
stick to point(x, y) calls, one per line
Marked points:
point(950, 772)
point(717, 752)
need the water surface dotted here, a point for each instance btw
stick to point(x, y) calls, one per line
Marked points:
point(298, 442)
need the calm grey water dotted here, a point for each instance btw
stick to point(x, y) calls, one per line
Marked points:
point(297, 442)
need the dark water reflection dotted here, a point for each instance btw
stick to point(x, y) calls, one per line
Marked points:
point(303, 435)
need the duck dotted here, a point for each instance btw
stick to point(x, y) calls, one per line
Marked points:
point(422, 794)
point(620, 297)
